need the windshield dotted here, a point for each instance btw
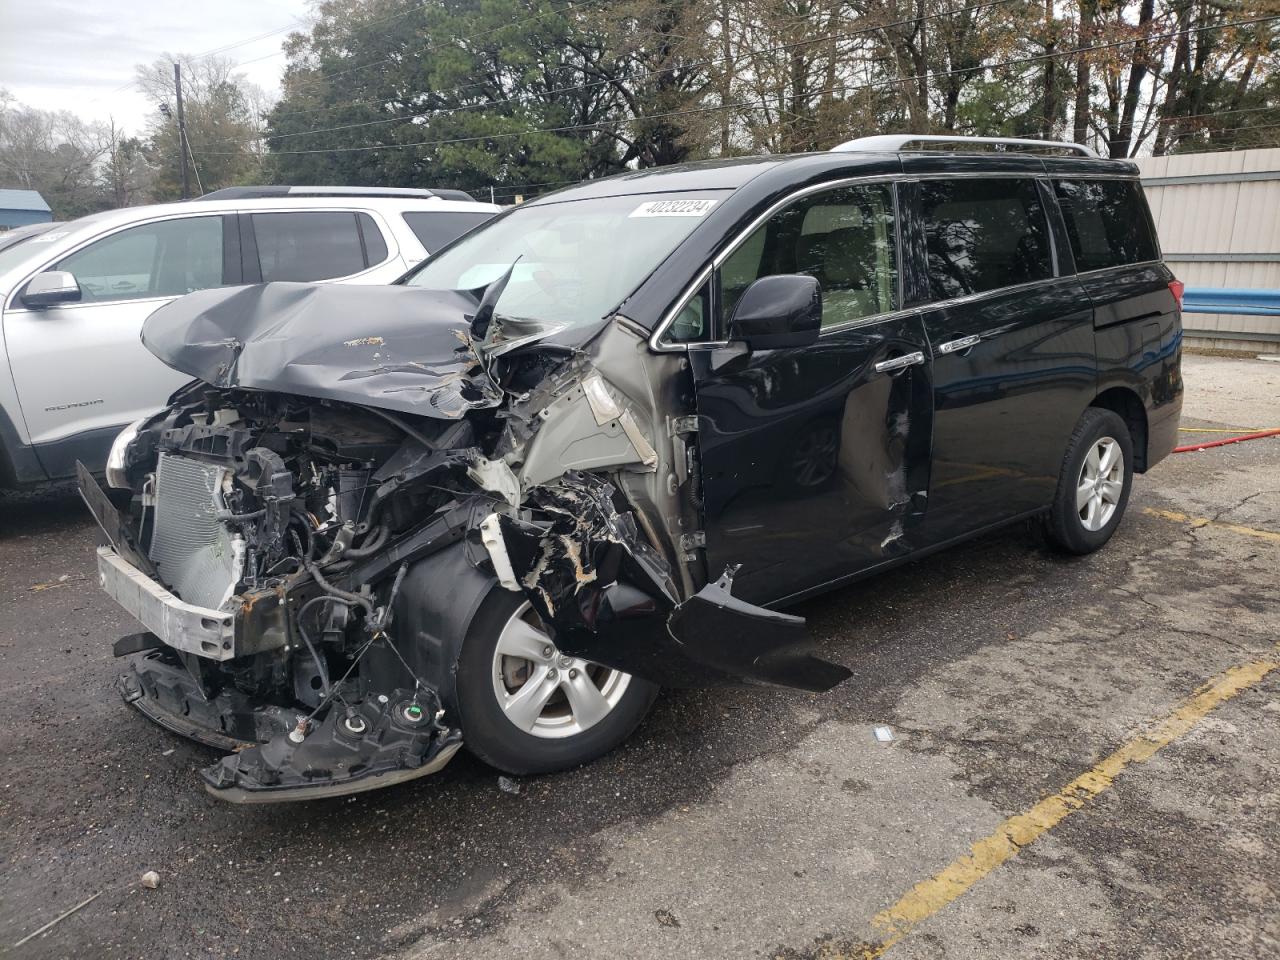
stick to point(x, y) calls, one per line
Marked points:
point(577, 259)
point(13, 253)
point(36, 244)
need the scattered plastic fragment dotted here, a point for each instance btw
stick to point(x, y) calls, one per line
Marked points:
point(884, 734)
point(507, 785)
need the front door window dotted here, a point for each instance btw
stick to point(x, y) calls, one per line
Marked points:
point(843, 237)
point(168, 258)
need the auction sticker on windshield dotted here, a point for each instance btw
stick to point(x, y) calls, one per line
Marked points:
point(673, 208)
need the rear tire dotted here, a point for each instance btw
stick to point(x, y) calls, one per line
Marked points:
point(590, 709)
point(1093, 485)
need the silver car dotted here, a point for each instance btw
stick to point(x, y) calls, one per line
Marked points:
point(75, 297)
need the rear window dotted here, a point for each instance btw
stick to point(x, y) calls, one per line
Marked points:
point(1107, 223)
point(435, 230)
point(309, 246)
point(983, 234)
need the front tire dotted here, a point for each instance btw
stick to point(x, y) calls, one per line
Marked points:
point(526, 708)
point(1093, 485)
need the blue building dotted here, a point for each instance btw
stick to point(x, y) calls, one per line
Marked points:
point(21, 207)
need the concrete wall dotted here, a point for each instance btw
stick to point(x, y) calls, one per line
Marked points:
point(1218, 216)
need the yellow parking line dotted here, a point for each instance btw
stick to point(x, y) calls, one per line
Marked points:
point(930, 896)
point(1191, 521)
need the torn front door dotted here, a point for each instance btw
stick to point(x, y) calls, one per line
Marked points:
point(815, 460)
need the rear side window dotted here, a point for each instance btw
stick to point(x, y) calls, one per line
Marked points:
point(983, 234)
point(308, 246)
point(1107, 223)
point(435, 230)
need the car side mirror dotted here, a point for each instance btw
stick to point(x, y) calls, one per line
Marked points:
point(783, 310)
point(51, 288)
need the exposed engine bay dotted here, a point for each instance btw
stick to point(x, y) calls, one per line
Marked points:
point(305, 564)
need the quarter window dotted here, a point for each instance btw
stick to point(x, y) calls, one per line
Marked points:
point(983, 234)
point(308, 246)
point(843, 237)
point(1107, 223)
point(436, 230)
point(375, 247)
point(168, 258)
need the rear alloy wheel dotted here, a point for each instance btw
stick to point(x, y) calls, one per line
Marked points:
point(1094, 483)
point(525, 707)
point(1100, 484)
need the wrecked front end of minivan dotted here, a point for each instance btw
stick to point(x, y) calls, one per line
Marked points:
point(314, 522)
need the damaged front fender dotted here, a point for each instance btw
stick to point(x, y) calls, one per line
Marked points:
point(610, 598)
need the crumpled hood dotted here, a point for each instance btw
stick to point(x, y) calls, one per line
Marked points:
point(394, 347)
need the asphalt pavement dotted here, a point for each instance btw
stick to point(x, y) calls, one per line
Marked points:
point(1085, 763)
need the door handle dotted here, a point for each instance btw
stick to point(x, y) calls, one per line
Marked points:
point(900, 363)
point(964, 343)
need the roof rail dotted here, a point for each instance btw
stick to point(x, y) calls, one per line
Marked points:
point(271, 191)
point(902, 143)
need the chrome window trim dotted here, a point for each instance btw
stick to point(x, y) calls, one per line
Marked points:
point(1119, 266)
point(705, 274)
point(893, 180)
point(392, 241)
point(11, 301)
point(867, 321)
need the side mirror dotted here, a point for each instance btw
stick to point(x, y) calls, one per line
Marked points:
point(784, 310)
point(50, 288)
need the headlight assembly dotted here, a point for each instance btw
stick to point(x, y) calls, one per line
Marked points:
point(116, 476)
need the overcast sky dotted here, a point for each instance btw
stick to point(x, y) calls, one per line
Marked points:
point(79, 55)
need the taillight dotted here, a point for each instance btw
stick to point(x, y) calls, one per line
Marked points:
point(1176, 287)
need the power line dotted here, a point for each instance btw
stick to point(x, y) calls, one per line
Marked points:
point(448, 111)
point(846, 88)
point(1178, 118)
point(242, 43)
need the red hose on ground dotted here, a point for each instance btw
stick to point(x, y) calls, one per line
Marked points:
point(1191, 447)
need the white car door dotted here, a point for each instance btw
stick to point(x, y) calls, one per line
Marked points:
point(81, 367)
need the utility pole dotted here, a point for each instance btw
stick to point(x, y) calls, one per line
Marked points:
point(182, 132)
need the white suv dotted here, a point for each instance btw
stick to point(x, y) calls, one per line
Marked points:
point(77, 371)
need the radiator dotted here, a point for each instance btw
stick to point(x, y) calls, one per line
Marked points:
point(192, 549)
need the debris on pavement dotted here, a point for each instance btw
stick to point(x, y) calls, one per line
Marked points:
point(884, 734)
point(58, 919)
point(507, 785)
point(150, 880)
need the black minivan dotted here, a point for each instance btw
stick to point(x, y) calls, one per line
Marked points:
point(596, 445)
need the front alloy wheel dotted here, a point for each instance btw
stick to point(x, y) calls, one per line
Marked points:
point(527, 707)
point(544, 692)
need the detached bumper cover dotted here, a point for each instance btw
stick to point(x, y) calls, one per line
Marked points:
point(381, 740)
